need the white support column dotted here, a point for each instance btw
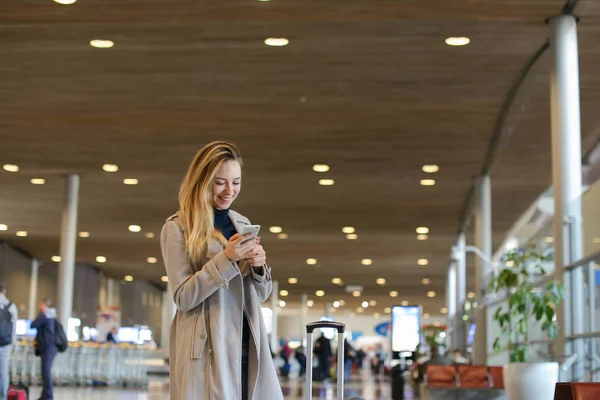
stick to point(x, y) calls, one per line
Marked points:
point(461, 291)
point(33, 286)
point(451, 299)
point(483, 241)
point(68, 237)
point(327, 310)
point(110, 292)
point(303, 318)
point(274, 304)
point(566, 177)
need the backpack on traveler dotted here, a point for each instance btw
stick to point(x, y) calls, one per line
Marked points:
point(6, 325)
point(60, 339)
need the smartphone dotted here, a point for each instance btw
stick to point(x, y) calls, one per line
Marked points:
point(252, 229)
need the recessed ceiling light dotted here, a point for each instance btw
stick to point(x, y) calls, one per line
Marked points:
point(3, 227)
point(102, 44)
point(84, 234)
point(422, 230)
point(275, 229)
point(276, 42)
point(342, 303)
point(366, 261)
point(365, 304)
point(430, 168)
point(422, 261)
point(293, 281)
point(336, 281)
point(360, 309)
point(38, 181)
point(404, 303)
point(65, 2)
point(380, 281)
point(425, 281)
point(101, 259)
point(149, 235)
point(356, 293)
point(134, 228)
point(425, 316)
point(444, 310)
point(427, 182)
point(336, 304)
point(372, 303)
point(282, 236)
point(320, 167)
point(311, 261)
point(152, 260)
point(11, 167)
point(130, 181)
point(128, 278)
point(110, 167)
point(458, 41)
point(596, 240)
point(348, 229)
point(471, 295)
point(431, 294)
point(437, 324)
point(376, 315)
point(387, 310)
point(352, 236)
point(326, 182)
point(393, 293)
point(56, 258)
point(281, 303)
point(283, 293)
point(21, 233)
point(320, 293)
point(164, 278)
point(422, 237)
point(310, 303)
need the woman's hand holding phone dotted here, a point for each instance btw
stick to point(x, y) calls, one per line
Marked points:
point(235, 250)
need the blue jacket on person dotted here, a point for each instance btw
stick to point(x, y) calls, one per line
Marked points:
point(45, 323)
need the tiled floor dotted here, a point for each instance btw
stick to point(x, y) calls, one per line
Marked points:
point(366, 386)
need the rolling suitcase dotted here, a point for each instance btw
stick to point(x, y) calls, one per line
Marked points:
point(309, 356)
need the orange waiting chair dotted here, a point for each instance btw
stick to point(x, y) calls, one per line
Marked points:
point(586, 391)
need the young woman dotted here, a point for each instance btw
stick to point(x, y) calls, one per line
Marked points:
point(219, 346)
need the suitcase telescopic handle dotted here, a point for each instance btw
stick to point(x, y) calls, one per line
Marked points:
point(325, 324)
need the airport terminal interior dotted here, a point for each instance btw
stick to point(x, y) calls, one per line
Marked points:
point(425, 172)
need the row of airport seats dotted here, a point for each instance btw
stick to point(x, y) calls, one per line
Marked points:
point(472, 382)
point(577, 391)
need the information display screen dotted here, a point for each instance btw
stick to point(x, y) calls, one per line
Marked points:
point(406, 328)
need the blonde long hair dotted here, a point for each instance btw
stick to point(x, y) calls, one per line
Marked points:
point(195, 197)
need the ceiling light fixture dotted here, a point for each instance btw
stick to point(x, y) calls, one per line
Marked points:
point(360, 309)
point(102, 44)
point(352, 236)
point(311, 261)
point(281, 303)
point(275, 229)
point(152, 260)
point(336, 304)
point(426, 316)
point(404, 303)
point(320, 293)
point(596, 240)
point(110, 167)
point(130, 181)
point(356, 293)
point(471, 295)
point(348, 229)
point(56, 258)
point(427, 182)
point(101, 259)
point(431, 294)
point(342, 303)
point(376, 315)
point(425, 281)
point(336, 281)
point(65, 2)
point(134, 228)
point(84, 234)
point(380, 281)
point(393, 293)
point(149, 235)
point(320, 167)
point(422, 261)
point(430, 168)
point(310, 303)
point(422, 237)
point(164, 278)
point(365, 304)
point(458, 41)
point(444, 310)
point(293, 281)
point(3, 227)
point(11, 168)
point(276, 42)
point(372, 303)
point(387, 310)
point(38, 181)
point(128, 278)
point(326, 182)
point(366, 261)
point(283, 293)
point(282, 236)
point(422, 230)
point(21, 233)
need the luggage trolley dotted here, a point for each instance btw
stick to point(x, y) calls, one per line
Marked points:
point(340, 357)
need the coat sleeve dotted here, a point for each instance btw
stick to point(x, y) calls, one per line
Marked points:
point(191, 288)
point(262, 282)
point(39, 321)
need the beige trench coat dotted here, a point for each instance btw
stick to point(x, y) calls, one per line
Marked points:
point(206, 332)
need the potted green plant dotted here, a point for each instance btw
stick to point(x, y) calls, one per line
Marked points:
point(526, 305)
